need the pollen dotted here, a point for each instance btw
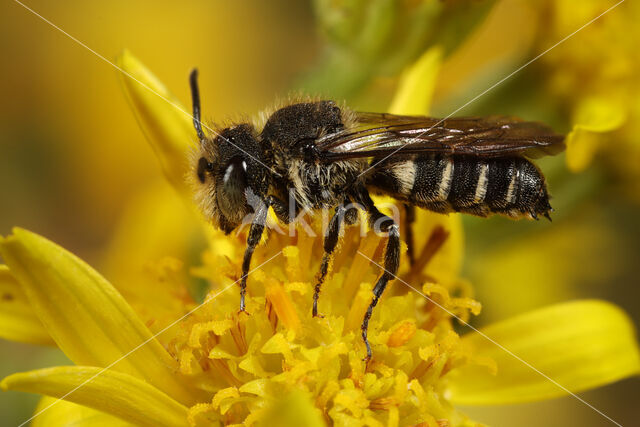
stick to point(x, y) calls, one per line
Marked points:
point(249, 360)
point(401, 333)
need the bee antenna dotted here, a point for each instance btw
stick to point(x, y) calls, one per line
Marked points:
point(195, 98)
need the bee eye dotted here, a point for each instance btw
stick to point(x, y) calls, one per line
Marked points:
point(203, 166)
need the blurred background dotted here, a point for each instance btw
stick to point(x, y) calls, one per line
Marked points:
point(75, 166)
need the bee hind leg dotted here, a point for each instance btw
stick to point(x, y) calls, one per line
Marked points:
point(391, 262)
point(392, 259)
point(409, 218)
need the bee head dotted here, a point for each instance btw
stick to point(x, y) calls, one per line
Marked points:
point(219, 170)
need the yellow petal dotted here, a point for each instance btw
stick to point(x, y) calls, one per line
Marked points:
point(88, 319)
point(445, 265)
point(413, 96)
point(18, 322)
point(167, 125)
point(115, 393)
point(582, 146)
point(580, 345)
point(67, 414)
point(142, 243)
point(599, 115)
point(295, 409)
point(592, 117)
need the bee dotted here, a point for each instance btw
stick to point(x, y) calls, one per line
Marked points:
point(329, 157)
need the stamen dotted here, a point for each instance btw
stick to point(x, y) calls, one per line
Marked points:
point(358, 307)
point(383, 403)
point(222, 395)
point(282, 304)
point(402, 333)
point(197, 412)
point(421, 369)
point(305, 246)
point(327, 394)
point(222, 369)
point(292, 255)
point(271, 315)
point(360, 265)
point(238, 333)
point(435, 241)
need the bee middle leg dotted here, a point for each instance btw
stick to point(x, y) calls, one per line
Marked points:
point(341, 215)
point(330, 243)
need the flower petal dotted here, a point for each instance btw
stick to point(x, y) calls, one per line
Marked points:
point(446, 264)
point(67, 414)
point(167, 125)
point(88, 319)
point(115, 393)
point(580, 345)
point(295, 409)
point(413, 96)
point(593, 117)
point(18, 322)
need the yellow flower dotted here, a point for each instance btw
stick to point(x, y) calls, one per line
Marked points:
point(586, 75)
point(280, 366)
point(595, 77)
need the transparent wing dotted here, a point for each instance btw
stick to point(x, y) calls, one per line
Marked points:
point(381, 134)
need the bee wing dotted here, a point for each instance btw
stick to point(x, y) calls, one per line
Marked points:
point(381, 134)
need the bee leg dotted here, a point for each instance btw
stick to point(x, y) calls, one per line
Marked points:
point(391, 263)
point(282, 209)
point(255, 233)
point(409, 218)
point(330, 243)
point(351, 213)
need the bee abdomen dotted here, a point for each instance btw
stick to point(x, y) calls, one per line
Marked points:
point(433, 182)
point(515, 187)
point(509, 186)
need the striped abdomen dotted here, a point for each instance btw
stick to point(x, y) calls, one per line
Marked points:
point(510, 186)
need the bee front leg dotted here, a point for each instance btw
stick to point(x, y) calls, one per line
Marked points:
point(255, 234)
point(285, 212)
point(330, 243)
